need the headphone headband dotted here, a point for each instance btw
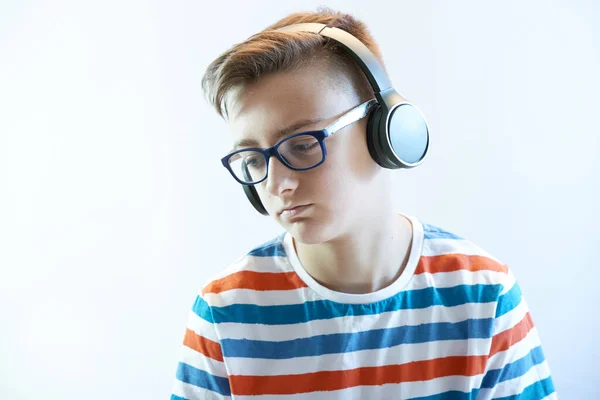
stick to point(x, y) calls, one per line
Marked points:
point(385, 94)
point(359, 52)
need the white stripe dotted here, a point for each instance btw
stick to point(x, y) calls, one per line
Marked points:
point(515, 352)
point(455, 278)
point(265, 264)
point(438, 247)
point(202, 327)
point(301, 295)
point(403, 390)
point(515, 386)
point(511, 318)
point(262, 298)
point(551, 396)
point(509, 282)
point(401, 354)
point(193, 392)
point(200, 361)
point(359, 323)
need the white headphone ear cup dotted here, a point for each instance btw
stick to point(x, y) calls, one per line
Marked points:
point(404, 129)
point(407, 141)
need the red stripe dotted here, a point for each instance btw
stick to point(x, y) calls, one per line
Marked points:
point(456, 262)
point(504, 340)
point(203, 345)
point(255, 281)
point(335, 380)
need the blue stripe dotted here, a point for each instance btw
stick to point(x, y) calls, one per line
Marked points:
point(350, 342)
point(173, 397)
point(451, 395)
point(434, 232)
point(197, 377)
point(202, 309)
point(536, 391)
point(508, 301)
point(325, 309)
point(515, 369)
point(272, 248)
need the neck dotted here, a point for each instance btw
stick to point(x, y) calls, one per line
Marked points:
point(364, 260)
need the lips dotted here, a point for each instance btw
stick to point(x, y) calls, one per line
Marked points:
point(290, 208)
point(292, 211)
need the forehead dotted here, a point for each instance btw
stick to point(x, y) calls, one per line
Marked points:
point(277, 103)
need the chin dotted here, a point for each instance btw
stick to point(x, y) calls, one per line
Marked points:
point(308, 231)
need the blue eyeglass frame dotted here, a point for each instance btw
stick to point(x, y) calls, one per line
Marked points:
point(352, 116)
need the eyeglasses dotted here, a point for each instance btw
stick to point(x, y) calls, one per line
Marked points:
point(299, 152)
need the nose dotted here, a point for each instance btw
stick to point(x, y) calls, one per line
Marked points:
point(280, 179)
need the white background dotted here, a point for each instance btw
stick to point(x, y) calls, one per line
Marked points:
point(114, 207)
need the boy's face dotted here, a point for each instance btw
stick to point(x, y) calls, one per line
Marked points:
point(339, 193)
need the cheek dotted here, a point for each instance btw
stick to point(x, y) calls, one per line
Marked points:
point(335, 181)
point(363, 167)
point(351, 159)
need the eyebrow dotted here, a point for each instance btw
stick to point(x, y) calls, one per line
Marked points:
point(248, 142)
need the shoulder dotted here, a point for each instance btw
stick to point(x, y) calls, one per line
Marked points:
point(250, 272)
point(446, 252)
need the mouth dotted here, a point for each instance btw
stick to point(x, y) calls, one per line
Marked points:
point(293, 211)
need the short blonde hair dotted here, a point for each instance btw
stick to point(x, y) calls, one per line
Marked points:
point(271, 51)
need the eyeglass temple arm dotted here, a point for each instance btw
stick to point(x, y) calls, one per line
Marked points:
point(352, 116)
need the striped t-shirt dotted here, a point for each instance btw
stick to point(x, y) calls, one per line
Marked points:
point(454, 325)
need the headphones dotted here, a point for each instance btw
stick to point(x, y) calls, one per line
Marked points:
point(397, 132)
